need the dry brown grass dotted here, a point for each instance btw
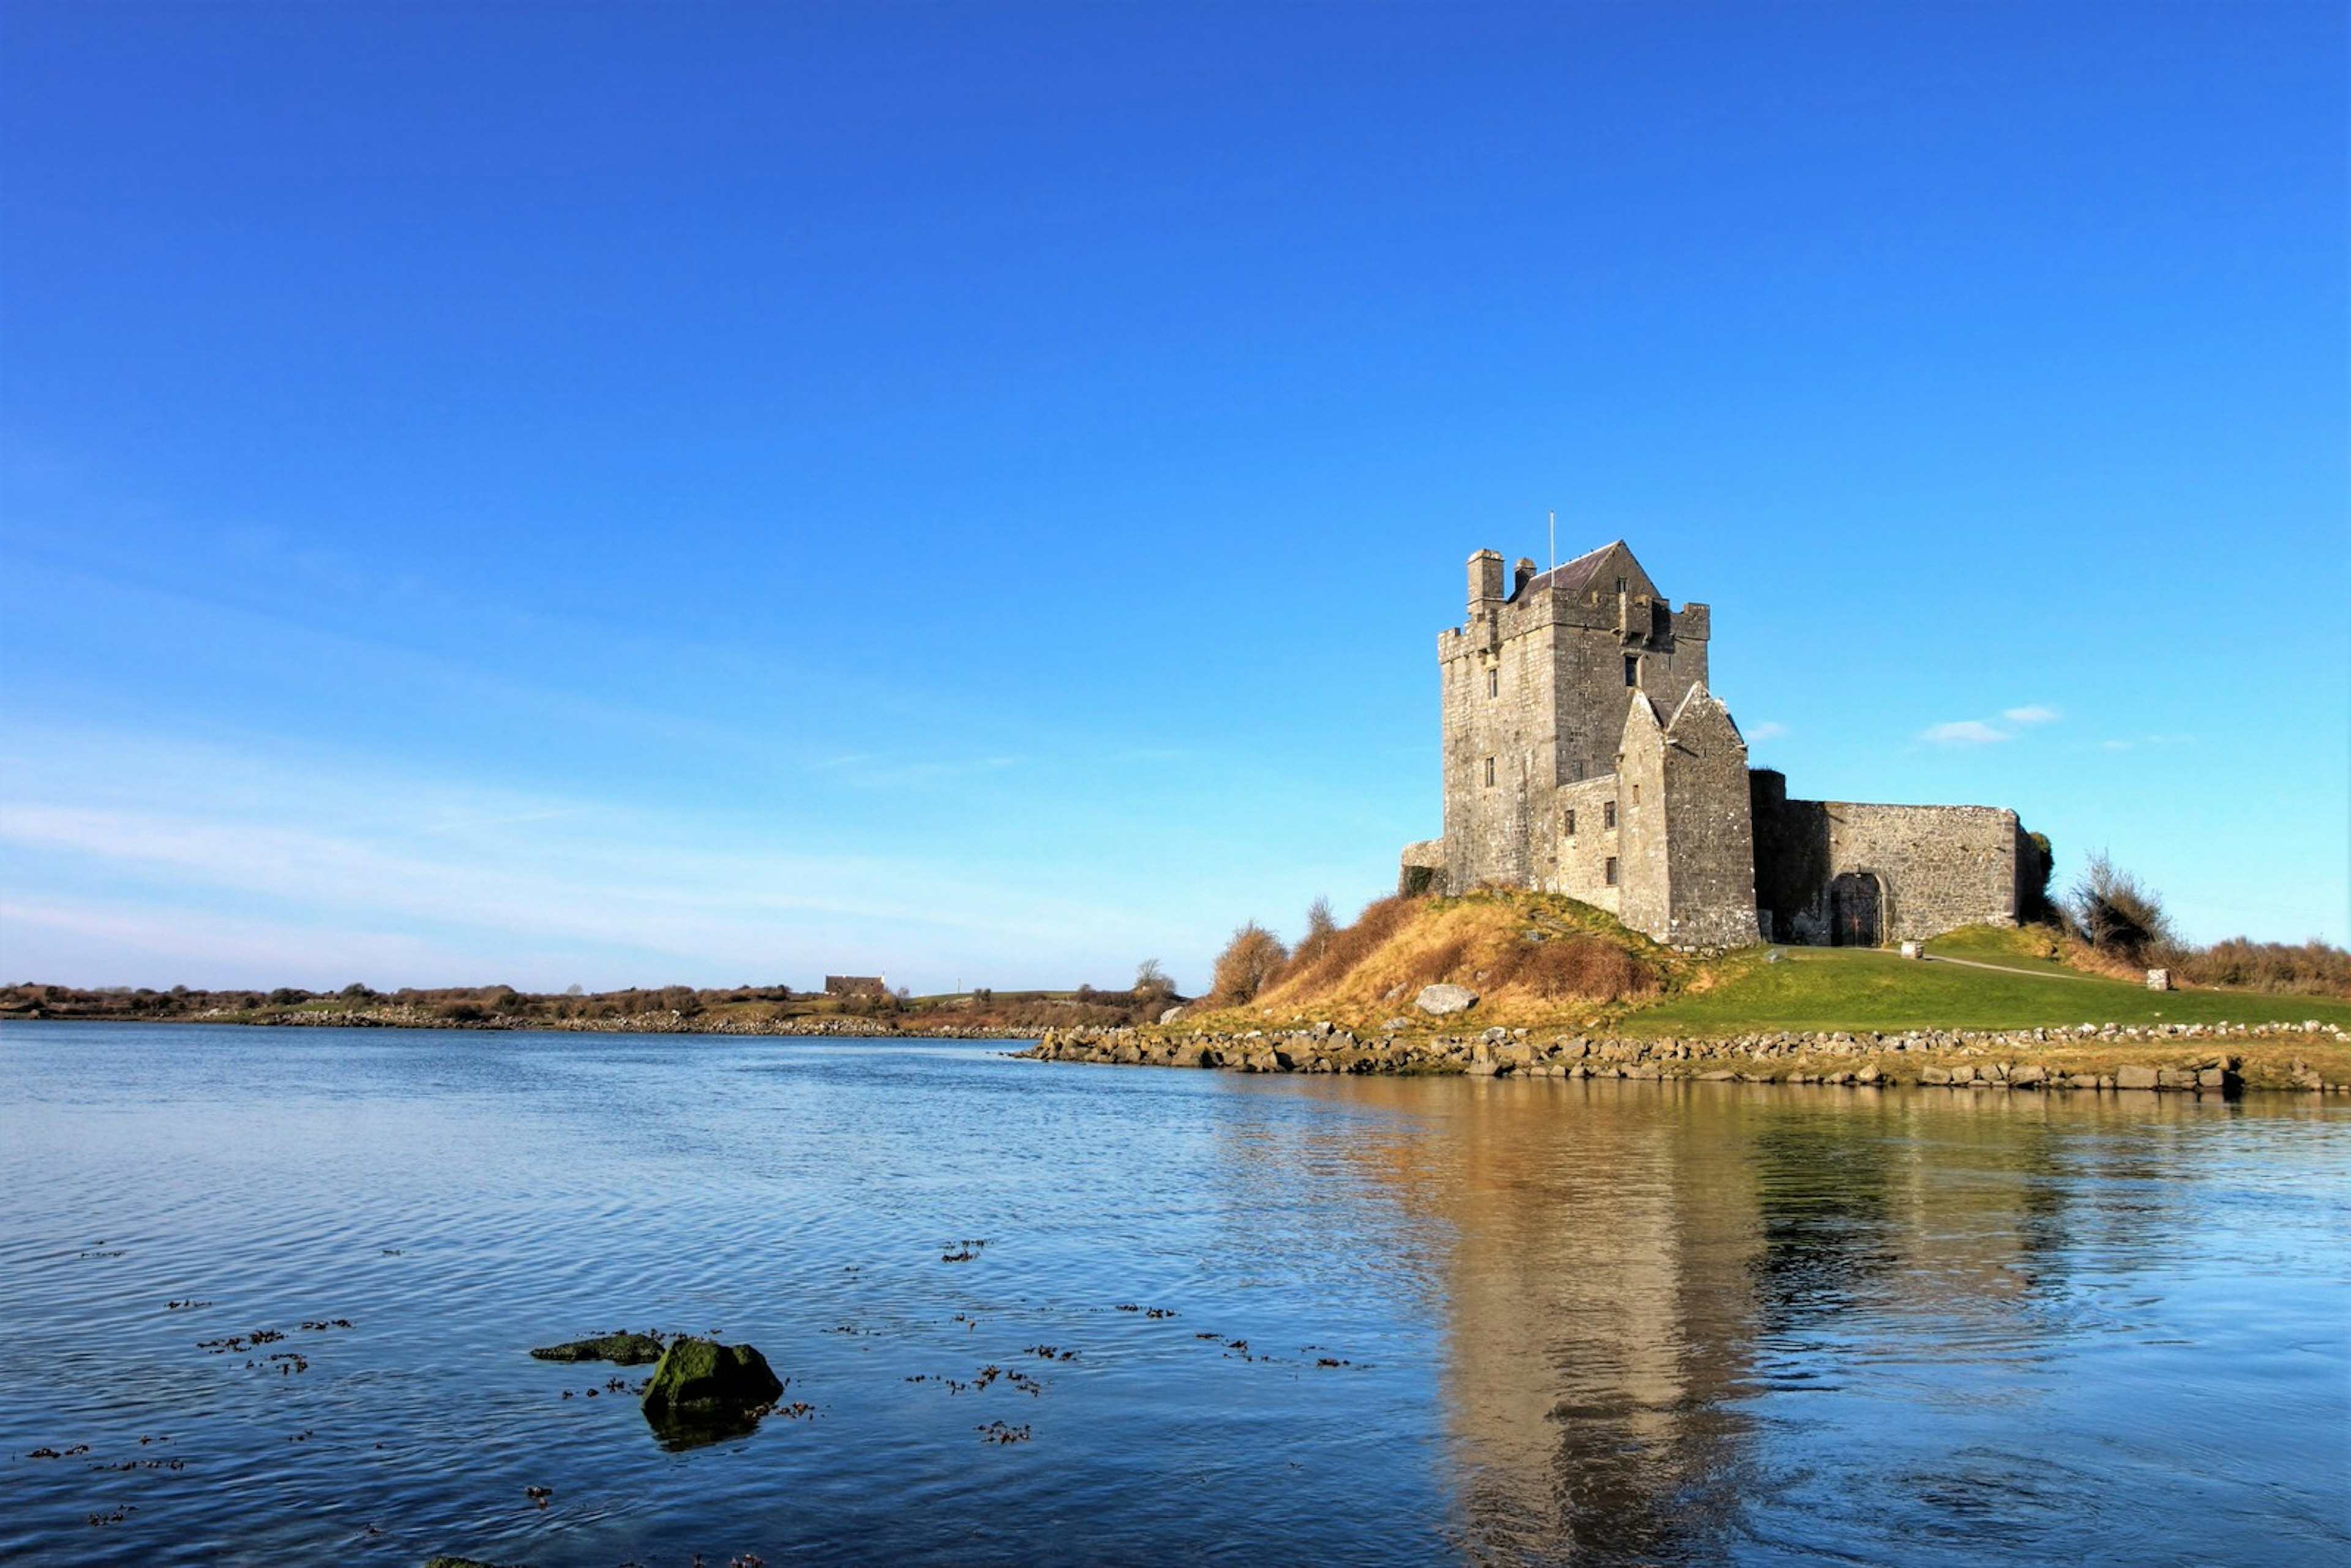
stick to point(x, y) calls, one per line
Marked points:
point(1517, 950)
point(2310, 969)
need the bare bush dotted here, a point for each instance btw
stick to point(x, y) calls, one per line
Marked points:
point(2115, 912)
point(1320, 927)
point(2312, 970)
point(1251, 958)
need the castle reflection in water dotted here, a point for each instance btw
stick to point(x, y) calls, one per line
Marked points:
point(1640, 1283)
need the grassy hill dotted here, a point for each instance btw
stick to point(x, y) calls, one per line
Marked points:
point(1539, 960)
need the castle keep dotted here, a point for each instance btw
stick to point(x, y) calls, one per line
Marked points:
point(1583, 755)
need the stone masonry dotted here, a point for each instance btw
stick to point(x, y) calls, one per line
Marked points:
point(1585, 756)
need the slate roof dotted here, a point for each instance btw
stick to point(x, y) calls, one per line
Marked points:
point(1569, 577)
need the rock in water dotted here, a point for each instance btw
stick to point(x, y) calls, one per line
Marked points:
point(702, 1385)
point(621, 1349)
point(1443, 1000)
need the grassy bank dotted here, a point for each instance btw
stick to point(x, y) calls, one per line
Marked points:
point(1541, 962)
point(1817, 989)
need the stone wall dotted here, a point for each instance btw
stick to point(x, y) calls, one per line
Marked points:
point(1581, 863)
point(1420, 869)
point(1944, 866)
point(2220, 1060)
point(1709, 839)
point(1941, 867)
point(1641, 819)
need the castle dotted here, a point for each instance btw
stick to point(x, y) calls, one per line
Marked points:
point(1585, 754)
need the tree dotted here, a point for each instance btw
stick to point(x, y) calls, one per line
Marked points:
point(1320, 927)
point(2115, 912)
point(2034, 905)
point(1251, 958)
point(1151, 981)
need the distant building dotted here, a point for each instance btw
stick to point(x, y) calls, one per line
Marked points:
point(1583, 755)
point(855, 985)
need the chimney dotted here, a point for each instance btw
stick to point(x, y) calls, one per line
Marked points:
point(1485, 582)
point(1526, 574)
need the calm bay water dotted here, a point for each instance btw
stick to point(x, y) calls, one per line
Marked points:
point(1484, 1321)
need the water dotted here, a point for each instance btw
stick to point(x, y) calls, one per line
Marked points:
point(1598, 1323)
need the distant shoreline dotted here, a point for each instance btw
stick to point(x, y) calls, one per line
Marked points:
point(801, 1028)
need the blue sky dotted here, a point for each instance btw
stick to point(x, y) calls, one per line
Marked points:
point(627, 494)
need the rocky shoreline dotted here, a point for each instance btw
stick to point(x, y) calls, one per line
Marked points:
point(2201, 1059)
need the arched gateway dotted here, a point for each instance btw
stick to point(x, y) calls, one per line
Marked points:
point(1856, 910)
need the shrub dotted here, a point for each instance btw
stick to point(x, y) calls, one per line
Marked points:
point(2312, 970)
point(2114, 913)
point(1583, 969)
point(1250, 960)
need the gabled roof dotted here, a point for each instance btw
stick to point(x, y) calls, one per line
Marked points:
point(1701, 711)
point(1578, 576)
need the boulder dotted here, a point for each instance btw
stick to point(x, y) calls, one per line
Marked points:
point(620, 1349)
point(1440, 1000)
point(702, 1383)
point(2136, 1077)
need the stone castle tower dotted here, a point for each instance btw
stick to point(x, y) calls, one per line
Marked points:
point(1583, 755)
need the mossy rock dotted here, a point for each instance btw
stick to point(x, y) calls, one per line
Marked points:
point(701, 1383)
point(621, 1349)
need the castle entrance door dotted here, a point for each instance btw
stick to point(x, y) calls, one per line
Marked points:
point(1856, 910)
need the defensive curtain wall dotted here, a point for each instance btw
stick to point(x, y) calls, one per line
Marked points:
point(1821, 864)
point(1583, 755)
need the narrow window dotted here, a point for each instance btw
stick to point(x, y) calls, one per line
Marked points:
point(1636, 794)
point(1494, 683)
point(1631, 669)
point(1570, 821)
point(1607, 812)
point(1490, 773)
point(1620, 585)
point(1608, 872)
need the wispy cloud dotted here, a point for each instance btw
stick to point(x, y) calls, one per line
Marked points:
point(1976, 732)
point(213, 860)
point(1964, 732)
point(1770, 730)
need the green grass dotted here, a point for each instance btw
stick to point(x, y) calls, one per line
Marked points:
point(1861, 988)
point(2025, 948)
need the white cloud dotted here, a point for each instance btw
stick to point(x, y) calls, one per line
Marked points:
point(1964, 732)
point(1770, 730)
point(155, 853)
point(2031, 713)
